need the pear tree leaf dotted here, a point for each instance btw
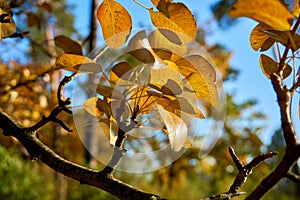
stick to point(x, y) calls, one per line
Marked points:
point(184, 105)
point(177, 129)
point(115, 21)
point(77, 63)
point(7, 24)
point(109, 92)
point(90, 105)
point(259, 39)
point(136, 47)
point(176, 22)
point(166, 80)
point(269, 12)
point(68, 45)
point(269, 66)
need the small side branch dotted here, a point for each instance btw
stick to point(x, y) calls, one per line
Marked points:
point(294, 177)
point(241, 177)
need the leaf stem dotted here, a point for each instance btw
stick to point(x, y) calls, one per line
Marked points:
point(142, 5)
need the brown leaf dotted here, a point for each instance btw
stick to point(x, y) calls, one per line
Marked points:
point(269, 12)
point(109, 92)
point(120, 71)
point(184, 105)
point(269, 66)
point(7, 26)
point(115, 21)
point(68, 45)
point(260, 40)
point(136, 48)
point(33, 20)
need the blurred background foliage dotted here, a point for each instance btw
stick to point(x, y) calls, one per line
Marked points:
point(189, 177)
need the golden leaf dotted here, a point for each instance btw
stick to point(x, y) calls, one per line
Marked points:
point(7, 24)
point(178, 20)
point(90, 105)
point(203, 89)
point(260, 40)
point(77, 63)
point(177, 129)
point(269, 66)
point(115, 21)
point(109, 92)
point(270, 12)
point(184, 105)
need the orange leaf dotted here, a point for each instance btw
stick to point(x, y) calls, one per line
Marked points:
point(115, 21)
point(270, 12)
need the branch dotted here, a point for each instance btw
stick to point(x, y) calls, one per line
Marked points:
point(63, 105)
point(292, 152)
point(38, 150)
point(241, 177)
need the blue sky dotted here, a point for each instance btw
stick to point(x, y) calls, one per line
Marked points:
point(251, 83)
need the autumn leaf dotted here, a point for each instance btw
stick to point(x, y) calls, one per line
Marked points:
point(270, 12)
point(90, 105)
point(7, 24)
point(120, 72)
point(177, 129)
point(184, 105)
point(33, 20)
point(68, 45)
point(284, 37)
point(109, 92)
point(77, 63)
point(178, 19)
point(269, 66)
point(203, 89)
point(164, 48)
point(296, 9)
point(166, 80)
point(259, 39)
point(136, 48)
point(115, 21)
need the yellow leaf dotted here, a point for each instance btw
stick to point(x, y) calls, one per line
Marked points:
point(137, 48)
point(7, 24)
point(260, 40)
point(177, 129)
point(68, 45)
point(178, 19)
point(77, 63)
point(188, 143)
point(115, 21)
point(166, 80)
point(120, 71)
point(270, 12)
point(269, 66)
point(203, 89)
point(90, 105)
point(163, 47)
point(197, 64)
point(184, 105)
point(296, 9)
